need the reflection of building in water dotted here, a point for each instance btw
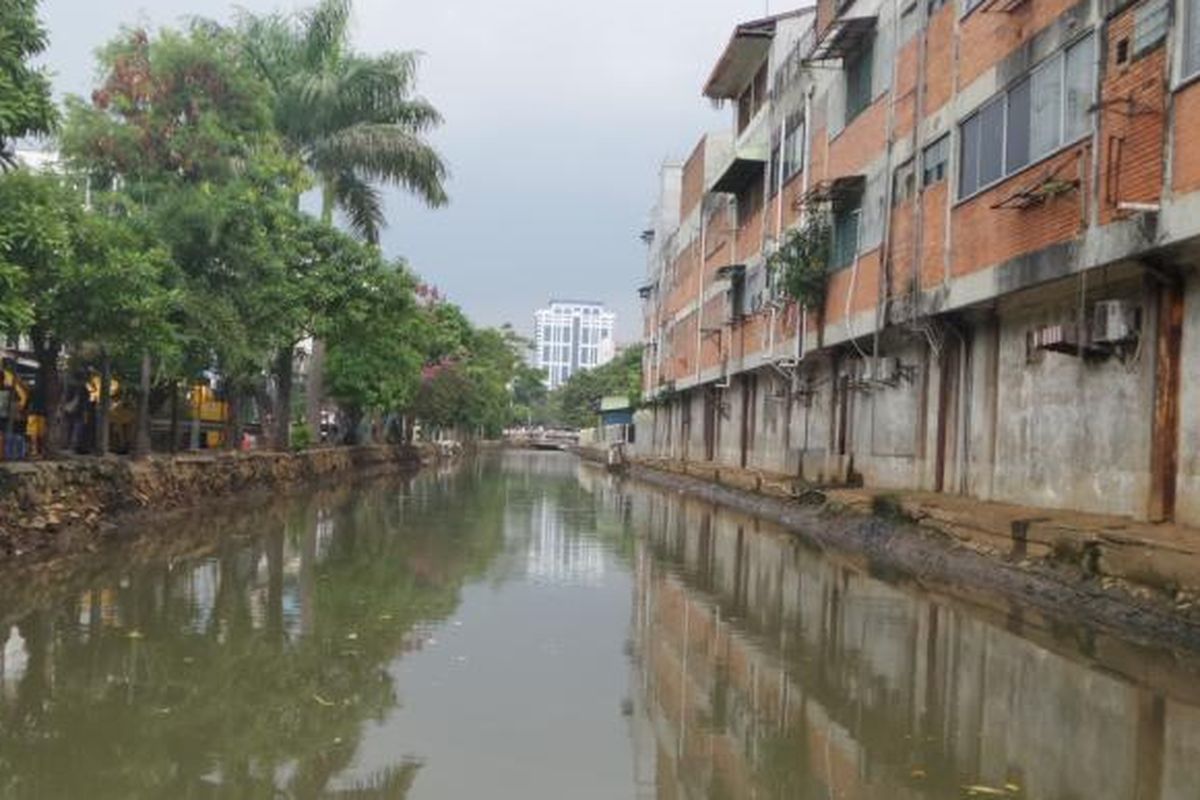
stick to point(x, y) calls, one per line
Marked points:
point(558, 552)
point(769, 671)
point(13, 660)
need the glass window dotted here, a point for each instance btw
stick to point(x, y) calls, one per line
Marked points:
point(1032, 119)
point(1046, 116)
point(793, 146)
point(968, 162)
point(991, 142)
point(934, 161)
point(1017, 149)
point(858, 81)
point(1191, 37)
point(1078, 80)
point(1150, 21)
point(845, 235)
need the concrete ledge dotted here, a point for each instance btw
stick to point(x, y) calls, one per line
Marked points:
point(1103, 577)
point(44, 505)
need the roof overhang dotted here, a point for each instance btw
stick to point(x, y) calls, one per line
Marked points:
point(748, 163)
point(844, 37)
point(743, 55)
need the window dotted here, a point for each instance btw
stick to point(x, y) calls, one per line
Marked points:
point(1191, 38)
point(793, 146)
point(845, 234)
point(858, 81)
point(933, 161)
point(1150, 21)
point(1033, 118)
point(791, 152)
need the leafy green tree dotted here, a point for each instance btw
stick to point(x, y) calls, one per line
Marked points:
point(41, 218)
point(115, 290)
point(373, 365)
point(26, 108)
point(579, 398)
point(354, 120)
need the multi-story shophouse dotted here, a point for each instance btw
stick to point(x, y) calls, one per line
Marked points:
point(1007, 198)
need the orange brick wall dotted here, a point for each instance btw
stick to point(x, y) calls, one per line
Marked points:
point(859, 143)
point(984, 236)
point(987, 37)
point(906, 89)
point(866, 288)
point(1132, 127)
point(1185, 166)
point(933, 233)
point(900, 247)
point(693, 181)
point(939, 58)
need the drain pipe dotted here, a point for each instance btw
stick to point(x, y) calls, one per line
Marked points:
point(805, 163)
point(700, 296)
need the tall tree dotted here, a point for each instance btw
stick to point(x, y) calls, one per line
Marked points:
point(25, 105)
point(353, 119)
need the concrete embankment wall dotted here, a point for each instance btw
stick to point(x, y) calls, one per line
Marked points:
point(975, 410)
point(53, 506)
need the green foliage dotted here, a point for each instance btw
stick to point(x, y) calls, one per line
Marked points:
point(25, 105)
point(353, 119)
point(576, 402)
point(302, 437)
point(373, 362)
point(41, 216)
point(802, 261)
point(176, 106)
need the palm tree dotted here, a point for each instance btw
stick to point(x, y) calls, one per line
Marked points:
point(355, 122)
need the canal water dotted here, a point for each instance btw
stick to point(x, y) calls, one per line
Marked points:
point(526, 626)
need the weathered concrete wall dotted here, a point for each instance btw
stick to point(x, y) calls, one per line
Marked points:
point(1072, 432)
point(47, 505)
point(975, 410)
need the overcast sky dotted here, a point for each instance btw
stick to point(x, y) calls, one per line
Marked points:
point(558, 116)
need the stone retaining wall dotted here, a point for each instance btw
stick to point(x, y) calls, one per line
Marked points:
point(46, 504)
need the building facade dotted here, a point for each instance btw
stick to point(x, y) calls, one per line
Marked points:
point(1004, 203)
point(570, 335)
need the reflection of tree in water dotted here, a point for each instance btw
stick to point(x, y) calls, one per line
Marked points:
point(249, 673)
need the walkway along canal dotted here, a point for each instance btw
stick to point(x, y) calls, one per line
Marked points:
point(524, 625)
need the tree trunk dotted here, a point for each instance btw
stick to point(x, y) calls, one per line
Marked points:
point(315, 389)
point(141, 441)
point(174, 416)
point(236, 402)
point(104, 407)
point(194, 436)
point(283, 399)
point(50, 389)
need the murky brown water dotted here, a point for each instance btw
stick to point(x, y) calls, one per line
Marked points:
point(526, 627)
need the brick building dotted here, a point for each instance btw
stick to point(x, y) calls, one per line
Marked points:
point(1007, 198)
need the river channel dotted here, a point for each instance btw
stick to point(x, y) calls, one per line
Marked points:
point(526, 626)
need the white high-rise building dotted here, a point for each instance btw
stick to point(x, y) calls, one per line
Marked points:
point(571, 335)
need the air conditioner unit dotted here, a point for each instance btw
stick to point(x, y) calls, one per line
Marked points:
point(881, 369)
point(1114, 321)
point(1057, 337)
